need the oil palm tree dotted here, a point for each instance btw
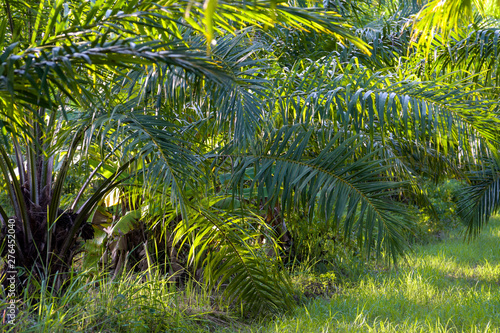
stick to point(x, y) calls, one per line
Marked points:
point(444, 116)
point(77, 88)
point(131, 91)
point(468, 50)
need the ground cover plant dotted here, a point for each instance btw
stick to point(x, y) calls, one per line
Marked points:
point(448, 286)
point(238, 147)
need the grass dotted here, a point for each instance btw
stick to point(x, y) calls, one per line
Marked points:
point(450, 286)
point(135, 303)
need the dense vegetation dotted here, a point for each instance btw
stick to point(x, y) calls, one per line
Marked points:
point(161, 151)
point(447, 287)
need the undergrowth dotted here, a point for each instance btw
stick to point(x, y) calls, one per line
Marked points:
point(446, 286)
point(132, 303)
point(450, 286)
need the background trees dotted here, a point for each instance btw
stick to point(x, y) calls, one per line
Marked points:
point(198, 126)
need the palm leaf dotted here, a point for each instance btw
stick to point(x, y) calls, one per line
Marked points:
point(225, 244)
point(343, 188)
point(481, 199)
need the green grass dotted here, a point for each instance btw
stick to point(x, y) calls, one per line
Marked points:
point(450, 286)
point(133, 303)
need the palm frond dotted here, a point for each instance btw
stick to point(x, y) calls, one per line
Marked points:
point(227, 246)
point(230, 16)
point(475, 51)
point(481, 199)
point(344, 188)
point(440, 17)
point(447, 114)
point(233, 107)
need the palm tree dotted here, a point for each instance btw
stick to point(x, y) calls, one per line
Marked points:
point(388, 118)
point(44, 96)
point(77, 91)
point(469, 51)
point(154, 96)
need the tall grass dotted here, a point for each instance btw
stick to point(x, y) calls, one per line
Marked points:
point(452, 286)
point(131, 303)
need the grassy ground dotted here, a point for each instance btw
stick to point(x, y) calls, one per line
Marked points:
point(450, 286)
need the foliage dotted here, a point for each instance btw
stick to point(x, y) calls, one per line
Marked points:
point(43, 89)
point(447, 287)
point(139, 303)
point(233, 132)
point(317, 285)
point(443, 197)
point(479, 201)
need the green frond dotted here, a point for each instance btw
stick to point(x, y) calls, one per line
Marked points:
point(445, 114)
point(350, 190)
point(230, 16)
point(473, 51)
point(481, 199)
point(440, 17)
point(227, 246)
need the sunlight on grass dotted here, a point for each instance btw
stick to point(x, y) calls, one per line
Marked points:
point(132, 303)
point(450, 286)
point(447, 287)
